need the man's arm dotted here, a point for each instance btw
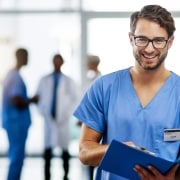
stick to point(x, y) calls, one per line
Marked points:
point(20, 102)
point(90, 149)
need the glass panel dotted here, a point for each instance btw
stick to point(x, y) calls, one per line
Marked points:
point(90, 5)
point(127, 5)
point(39, 4)
point(108, 38)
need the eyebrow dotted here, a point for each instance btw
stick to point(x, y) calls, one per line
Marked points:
point(141, 36)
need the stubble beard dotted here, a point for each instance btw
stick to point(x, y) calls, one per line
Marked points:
point(149, 67)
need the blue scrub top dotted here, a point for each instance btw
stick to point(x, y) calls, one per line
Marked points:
point(112, 108)
point(11, 115)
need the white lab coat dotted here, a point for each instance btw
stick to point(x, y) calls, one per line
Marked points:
point(56, 131)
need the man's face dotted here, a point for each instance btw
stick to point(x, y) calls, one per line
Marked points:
point(57, 64)
point(24, 59)
point(149, 57)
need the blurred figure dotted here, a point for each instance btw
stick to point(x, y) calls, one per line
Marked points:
point(93, 73)
point(16, 118)
point(57, 97)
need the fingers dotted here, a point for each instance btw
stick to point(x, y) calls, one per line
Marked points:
point(173, 170)
point(154, 174)
point(154, 171)
point(143, 173)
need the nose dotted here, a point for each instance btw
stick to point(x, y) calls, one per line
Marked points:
point(149, 47)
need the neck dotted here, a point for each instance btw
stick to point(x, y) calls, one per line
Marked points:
point(57, 71)
point(18, 67)
point(149, 76)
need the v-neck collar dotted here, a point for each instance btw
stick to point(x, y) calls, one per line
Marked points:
point(134, 96)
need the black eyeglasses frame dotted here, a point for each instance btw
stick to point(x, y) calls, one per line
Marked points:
point(150, 40)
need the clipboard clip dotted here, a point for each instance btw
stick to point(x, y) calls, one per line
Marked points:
point(144, 150)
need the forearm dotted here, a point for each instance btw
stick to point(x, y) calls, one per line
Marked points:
point(20, 102)
point(91, 153)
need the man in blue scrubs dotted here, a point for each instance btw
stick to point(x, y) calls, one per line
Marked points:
point(135, 105)
point(16, 115)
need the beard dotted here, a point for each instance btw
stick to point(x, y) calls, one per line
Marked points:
point(151, 67)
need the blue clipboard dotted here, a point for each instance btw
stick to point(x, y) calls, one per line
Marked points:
point(120, 159)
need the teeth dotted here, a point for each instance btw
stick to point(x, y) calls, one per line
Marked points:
point(149, 57)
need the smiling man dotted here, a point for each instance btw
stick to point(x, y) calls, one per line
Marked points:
point(135, 105)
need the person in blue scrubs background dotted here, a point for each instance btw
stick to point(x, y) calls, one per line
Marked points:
point(16, 118)
point(135, 105)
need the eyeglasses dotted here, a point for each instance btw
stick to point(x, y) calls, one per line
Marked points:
point(158, 43)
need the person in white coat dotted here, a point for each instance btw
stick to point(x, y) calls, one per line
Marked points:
point(56, 121)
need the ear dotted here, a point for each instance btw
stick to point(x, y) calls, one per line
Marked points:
point(171, 40)
point(131, 38)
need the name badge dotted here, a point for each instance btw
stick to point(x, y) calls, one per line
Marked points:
point(171, 134)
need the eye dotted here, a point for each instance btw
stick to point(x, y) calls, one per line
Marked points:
point(142, 40)
point(158, 41)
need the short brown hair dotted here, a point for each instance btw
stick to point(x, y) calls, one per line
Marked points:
point(156, 14)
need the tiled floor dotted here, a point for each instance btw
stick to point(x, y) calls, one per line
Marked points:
point(33, 169)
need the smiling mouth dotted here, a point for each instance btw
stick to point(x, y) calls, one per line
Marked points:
point(149, 57)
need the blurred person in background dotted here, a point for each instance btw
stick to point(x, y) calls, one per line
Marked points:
point(16, 117)
point(93, 72)
point(57, 97)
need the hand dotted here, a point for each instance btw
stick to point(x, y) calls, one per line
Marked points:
point(34, 99)
point(154, 174)
point(79, 123)
point(130, 143)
